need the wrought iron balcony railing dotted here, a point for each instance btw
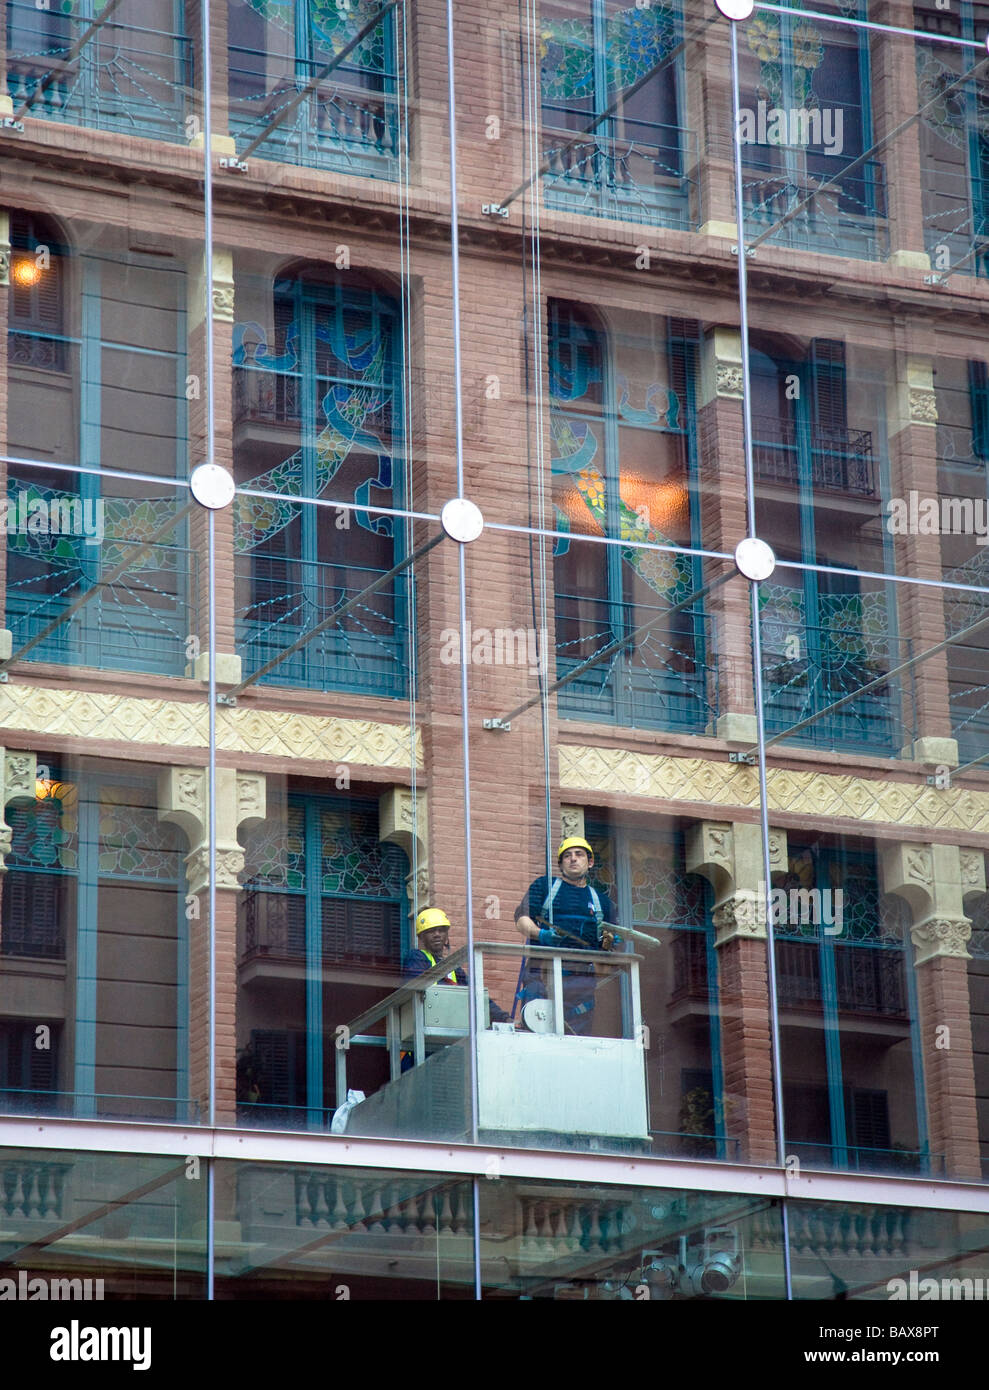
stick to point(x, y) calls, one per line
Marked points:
point(124, 77)
point(833, 661)
point(280, 600)
point(869, 979)
point(138, 622)
point(846, 218)
point(641, 178)
point(956, 219)
point(347, 121)
point(664, 680)
point(840, 460)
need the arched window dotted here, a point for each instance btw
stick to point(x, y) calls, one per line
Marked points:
point(819, 481)
point(96, 376)
point(317, 415)
point(622, 419)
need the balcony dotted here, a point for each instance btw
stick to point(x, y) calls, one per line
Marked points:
point(638, 179)
point(319, 122)
point(835, 659)
point(661, 680)
point(869, 979)
point(357, 932)
point(103, 74)
point(841, 461)
point(846, 218)
point(281, 600)
point(137, 619)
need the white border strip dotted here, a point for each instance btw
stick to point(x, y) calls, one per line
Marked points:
point(545, 1165)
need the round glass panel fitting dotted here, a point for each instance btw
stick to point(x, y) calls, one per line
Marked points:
point(754, 558)
point(461, 520)
point(212, 486)
point(735, 9)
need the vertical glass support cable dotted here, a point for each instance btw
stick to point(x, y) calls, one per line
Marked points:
point(534, 334)
point(206, 67)
point(462, 578)
point(743, 310)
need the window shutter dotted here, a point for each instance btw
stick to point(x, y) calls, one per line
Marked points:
point(830, 396)
point(978, 385)
point(869, 1119)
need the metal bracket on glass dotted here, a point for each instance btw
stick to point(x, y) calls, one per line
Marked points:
point(749, 250)
point(230, 700)
point(502, 725)
point(4, 677)
point(236, 166)
point(747, 758)
point(494, 210)
point(9, 123)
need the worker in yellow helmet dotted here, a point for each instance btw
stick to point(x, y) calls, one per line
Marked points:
point(569, 912)
point(432, 944)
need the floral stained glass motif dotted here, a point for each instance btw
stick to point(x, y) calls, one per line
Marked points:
point(333, 26)
point(45, 833)
point(803, 50)
point(354, 860)
point(637, 41)
point(133, 842)
point(575, 449)
point(347, 409)
point(275, 852)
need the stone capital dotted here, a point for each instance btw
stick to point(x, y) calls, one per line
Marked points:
point(740, 916)
point(934, 880)
point(730, 857)
point(941, 936)
point(20, 773)
point(240, 803)
point(403, 821)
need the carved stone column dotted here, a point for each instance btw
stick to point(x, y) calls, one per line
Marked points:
point(402, 821)
point(240, 802)
point(730, 858)
point(930, 878)
point(20, 772)
point(722, 478)
point(221, 292)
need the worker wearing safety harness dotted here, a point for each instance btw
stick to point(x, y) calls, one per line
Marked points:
point(432, 944)
point(570, 913)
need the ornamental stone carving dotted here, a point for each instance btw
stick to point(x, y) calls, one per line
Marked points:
point(730, 381)
point(973, 868)
point(240, 803)
point(571, 821)
point(223, 303)
point(730, 857)
point(930, 878)
point(20, 772)
point(923, 406)
point(941, 936)
point(403, 821)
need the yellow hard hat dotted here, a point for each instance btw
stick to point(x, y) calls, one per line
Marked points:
point(574, 842)
point(429, 918)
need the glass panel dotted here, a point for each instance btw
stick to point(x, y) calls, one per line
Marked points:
point(317, 84)
point(113, 1226)
point(127, 69)
point(95, 948)
point(841, 1250)
point(574, 1242)
point(344, 1234)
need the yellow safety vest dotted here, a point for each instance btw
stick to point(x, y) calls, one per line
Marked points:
point(452, 975)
